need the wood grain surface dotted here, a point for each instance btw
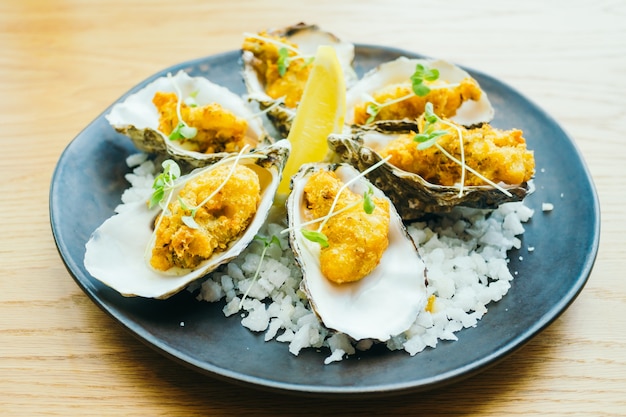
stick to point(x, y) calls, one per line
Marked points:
point(62, 62)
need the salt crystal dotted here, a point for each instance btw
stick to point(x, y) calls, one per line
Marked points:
point(136, 159)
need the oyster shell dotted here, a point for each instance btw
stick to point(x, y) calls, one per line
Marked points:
point(412, 194)
point(138, 118)
point(115, 253)
point(398, 73)
point(307, 38)
point(382, 304)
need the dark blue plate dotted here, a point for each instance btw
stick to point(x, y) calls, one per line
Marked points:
point(89, 180)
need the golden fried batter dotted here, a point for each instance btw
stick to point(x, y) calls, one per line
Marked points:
point(445, 101)
point(291, 84)
point(219, 130)
point(499, 155)
point(356, 239)
point(221, 219)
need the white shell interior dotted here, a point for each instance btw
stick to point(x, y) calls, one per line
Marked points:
point(377, 140)
point(115, 252)
point(308, 41)
point(400, 70)
point(383, 304)
point(138, 110)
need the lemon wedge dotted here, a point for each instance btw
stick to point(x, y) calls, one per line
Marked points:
point(321, 112)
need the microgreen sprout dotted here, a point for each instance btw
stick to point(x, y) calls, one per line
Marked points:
point(267, 242)
point(182, 130)
point(429, 137)
point(284, 60)
point(372, 109)
point(419, 88)
point(164, 182)
point(191, 99)
point(423, 73)
point(368, 202)
point(316, 237)
point(189, 220)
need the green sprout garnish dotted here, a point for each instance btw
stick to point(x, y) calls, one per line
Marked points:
point(191, 99)
point(315, 237)
point(284, 60)
point(267, 242)
point(164, 182)
point(190, 220)
point(372, 109)
point(368, 202)
point(182, 130)
point(429, 135)
point(422, 74)
point(183, 205)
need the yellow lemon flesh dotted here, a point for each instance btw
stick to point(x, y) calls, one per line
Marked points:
point(321, 112)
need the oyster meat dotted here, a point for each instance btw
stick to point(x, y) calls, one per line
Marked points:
point(151, 253)
point(389, 288)
point(223, 122)
point(277, 64)
point(454, 94)
point(412, 194)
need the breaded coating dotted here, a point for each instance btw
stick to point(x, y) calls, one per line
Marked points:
point(445, 101)
point(221, 220)
point(219, 130)
point(291, 84)
point(499, 155)
point(357, 240)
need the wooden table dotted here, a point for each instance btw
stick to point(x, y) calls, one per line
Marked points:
point(63, 62)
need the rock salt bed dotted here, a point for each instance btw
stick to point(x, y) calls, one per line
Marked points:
point(465, 253)
point(466, 256)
